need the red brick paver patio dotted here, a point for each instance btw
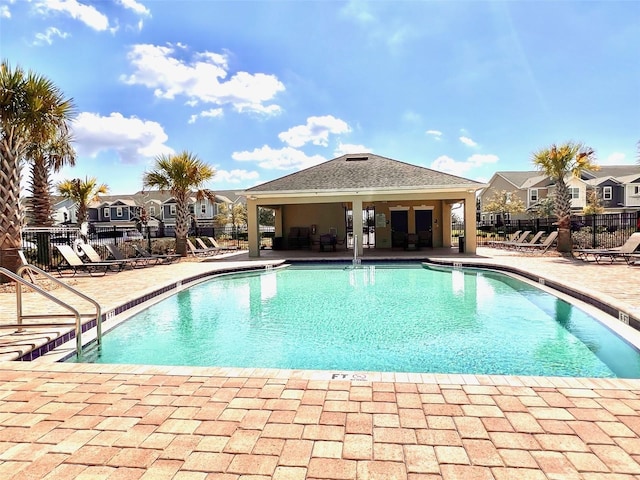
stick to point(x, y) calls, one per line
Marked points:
point(65, 421)
point(84, 421)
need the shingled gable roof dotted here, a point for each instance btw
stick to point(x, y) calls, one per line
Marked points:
point(363, 171)
point(518, 179)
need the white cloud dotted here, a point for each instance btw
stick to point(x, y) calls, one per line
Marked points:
point(235, 177)
point(449, 165)
point(436, 134)
point(478, 160)
point(316, 131)
point(616, 158)
point(286, 158)
point(200, 80)
point(4, 11)
point(345, 148)
point(214, 112)
point(134, 140)
point(136, 7)
point(86, 14)
point(358, 11)
point(48, 35)
point(467, 141)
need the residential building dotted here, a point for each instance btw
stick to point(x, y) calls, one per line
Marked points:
point(618, 187)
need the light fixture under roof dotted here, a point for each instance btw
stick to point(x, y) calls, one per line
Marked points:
point(357, 159)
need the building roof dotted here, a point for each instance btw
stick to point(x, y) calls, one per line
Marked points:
point(615, 171)
point(363, 171)
point(518, 179)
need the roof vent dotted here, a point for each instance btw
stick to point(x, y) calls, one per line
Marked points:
point(357, 159)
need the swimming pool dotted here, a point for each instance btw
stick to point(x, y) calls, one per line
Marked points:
point(375, 318)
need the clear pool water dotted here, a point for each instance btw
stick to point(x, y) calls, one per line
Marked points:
point(376, 318)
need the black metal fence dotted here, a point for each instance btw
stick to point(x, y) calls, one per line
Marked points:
point(38, 244)
point(588, 231)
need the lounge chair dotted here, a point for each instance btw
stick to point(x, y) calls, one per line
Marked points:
point(628, 251)
point(512, 238)
point(162, 258)
point(509, 243)
point(544, 246)
point(216, 245)
point(199, 252)
point(206, 248)
point(71, 261)
point(94, 257)
point(533, 241)
point(135, 262)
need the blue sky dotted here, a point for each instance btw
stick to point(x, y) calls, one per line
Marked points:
point(260, 89)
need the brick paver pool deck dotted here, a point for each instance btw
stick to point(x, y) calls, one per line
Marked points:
point(84, 421)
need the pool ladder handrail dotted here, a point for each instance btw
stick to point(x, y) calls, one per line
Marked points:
point(20, 281)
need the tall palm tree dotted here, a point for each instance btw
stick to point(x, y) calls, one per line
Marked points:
point(179, 174)
point(558, 162)
point(44, 159)
point(32, 111)
point(83, 193)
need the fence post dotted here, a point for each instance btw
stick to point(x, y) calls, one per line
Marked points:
point(593, 231)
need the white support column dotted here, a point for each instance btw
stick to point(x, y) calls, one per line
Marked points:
point(357, 223)
point(446, 224)
point(253, 228)
point(470, 226)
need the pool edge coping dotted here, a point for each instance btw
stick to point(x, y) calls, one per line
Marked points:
point(177, 285)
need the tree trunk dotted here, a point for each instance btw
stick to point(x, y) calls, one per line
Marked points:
point(565, 243)
point(10, 212)
point(182, 223)
point(41, 190)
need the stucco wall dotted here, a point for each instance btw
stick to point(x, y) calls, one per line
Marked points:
point(327, 215)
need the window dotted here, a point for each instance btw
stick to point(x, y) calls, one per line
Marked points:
point(191, 209)
point(636, 190)
point(106, 213)
point(533, 195)
point(152, 210)
point(574, 192)
point(607, 194)
point(118, 211)
point(172, 209)
point(203, 209)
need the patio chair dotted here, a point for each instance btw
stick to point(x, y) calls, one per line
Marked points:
point(199, 252)
point(162, 258)
point(521, 239)
point(628, 251)
point(206, 248)
point(329, 241)
point(135, 262)
point(71, 261)
point(514, 237)
point(533, 241)
point(94, 257)
point(544, 246)
point(216, 245)
point(299, 237)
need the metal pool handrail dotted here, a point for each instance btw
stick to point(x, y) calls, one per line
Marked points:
point(20, 281)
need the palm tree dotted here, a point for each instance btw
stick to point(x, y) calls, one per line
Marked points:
point(83, 193)
point(32, 111)
point(45, 159)
point(559, 161)
point(179, 174)
point(232, 214)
